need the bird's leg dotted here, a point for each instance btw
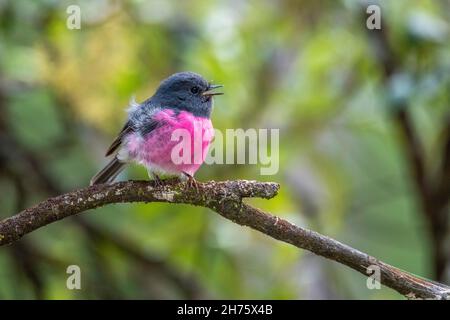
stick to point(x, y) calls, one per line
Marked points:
point(191, 182)
point(157, 179)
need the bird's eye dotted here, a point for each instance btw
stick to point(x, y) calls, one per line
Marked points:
point(195, 90)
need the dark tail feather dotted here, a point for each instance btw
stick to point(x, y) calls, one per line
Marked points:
point(109, 172)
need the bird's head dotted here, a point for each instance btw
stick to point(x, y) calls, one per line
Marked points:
point(187, 91)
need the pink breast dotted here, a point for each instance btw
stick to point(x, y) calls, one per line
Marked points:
point(159, 151)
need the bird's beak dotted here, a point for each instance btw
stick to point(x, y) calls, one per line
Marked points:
point(210, 91)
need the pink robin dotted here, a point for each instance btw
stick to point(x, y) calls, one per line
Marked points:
point(181, 107)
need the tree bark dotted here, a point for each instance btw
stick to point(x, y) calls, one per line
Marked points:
point(225, 198)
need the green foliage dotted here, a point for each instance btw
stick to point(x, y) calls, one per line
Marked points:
point(305, 68)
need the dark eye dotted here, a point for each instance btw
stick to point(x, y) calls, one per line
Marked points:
point(195, 90)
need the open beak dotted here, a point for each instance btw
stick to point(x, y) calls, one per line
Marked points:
point(210, 91)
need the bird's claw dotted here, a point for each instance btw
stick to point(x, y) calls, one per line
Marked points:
point(191, 182)
point(157, 180)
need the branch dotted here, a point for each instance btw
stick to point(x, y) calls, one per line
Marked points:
point(224, 198)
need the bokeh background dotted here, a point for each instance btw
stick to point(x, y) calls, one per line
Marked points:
point(364, 119)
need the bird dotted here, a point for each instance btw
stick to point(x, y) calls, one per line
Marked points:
point(183, 102)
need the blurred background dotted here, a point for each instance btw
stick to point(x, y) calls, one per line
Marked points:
point(364, 120)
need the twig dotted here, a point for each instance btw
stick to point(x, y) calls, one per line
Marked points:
point(226, 199)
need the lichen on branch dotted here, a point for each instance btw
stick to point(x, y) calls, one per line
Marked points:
point(225, 198)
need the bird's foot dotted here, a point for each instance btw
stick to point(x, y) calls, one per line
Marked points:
point(191, 182)
point(158, 182)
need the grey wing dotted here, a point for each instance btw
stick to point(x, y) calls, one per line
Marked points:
point(127, 128)
point(140, 120)
point(143, 118)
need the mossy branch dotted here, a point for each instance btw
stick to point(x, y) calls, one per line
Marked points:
point(225, 198)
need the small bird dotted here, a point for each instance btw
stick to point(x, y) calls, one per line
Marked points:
point(182, 101)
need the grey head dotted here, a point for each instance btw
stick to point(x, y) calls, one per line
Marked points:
point(186, 91)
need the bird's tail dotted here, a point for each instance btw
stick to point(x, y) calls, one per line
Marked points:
point(109, 172)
